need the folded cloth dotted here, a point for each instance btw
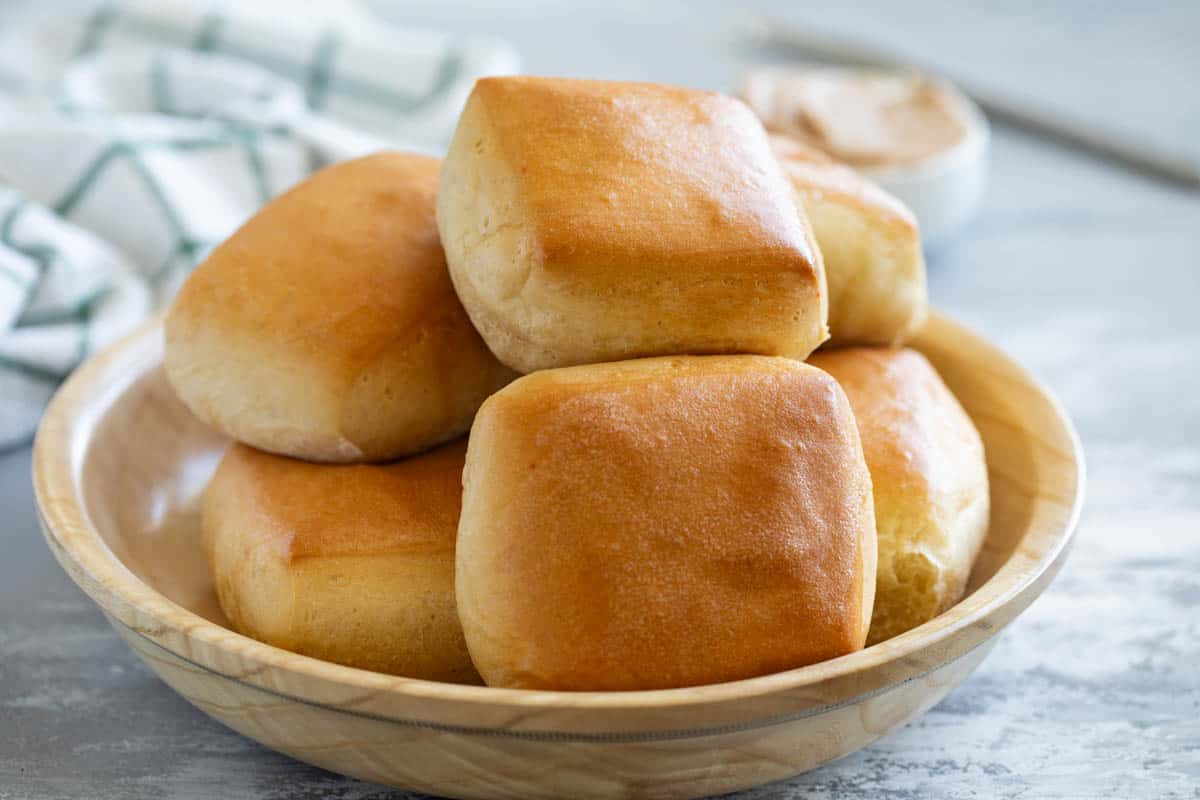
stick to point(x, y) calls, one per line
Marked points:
point(135, 138)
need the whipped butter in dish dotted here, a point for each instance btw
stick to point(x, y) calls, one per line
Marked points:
point(862, 118)
point(918, 137)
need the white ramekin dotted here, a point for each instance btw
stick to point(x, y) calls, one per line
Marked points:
point(944, 190)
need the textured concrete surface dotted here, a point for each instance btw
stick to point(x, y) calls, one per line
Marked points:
point(1088, 275)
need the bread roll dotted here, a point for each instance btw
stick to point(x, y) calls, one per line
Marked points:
point(664, 522)
point(327, 328)
point(352, 564)
point(870, 244)
point(930, 478)
point(591, 221)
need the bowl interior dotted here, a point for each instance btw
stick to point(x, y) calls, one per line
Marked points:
point(161, 457)
point(148, 460)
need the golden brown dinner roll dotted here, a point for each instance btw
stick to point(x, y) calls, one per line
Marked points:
point(930, 477)
point(347, 563)
point(871, 247)
point(664, 522)
point(327, 328)
point(591, 221)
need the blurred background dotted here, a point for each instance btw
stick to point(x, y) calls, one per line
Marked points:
point(1085, 269)
point(1120, 64)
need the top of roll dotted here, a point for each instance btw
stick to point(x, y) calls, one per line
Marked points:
point(591, 221)
point(327, 328)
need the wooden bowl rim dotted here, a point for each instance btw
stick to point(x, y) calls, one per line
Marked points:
point(64, 436)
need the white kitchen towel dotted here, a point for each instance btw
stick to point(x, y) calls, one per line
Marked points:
point(136, 137)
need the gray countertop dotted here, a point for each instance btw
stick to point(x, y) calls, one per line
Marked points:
point(1088, 275)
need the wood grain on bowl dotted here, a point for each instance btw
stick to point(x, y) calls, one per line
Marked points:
point(118, 467)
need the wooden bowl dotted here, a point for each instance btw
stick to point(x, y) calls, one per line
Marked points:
point(119, 465)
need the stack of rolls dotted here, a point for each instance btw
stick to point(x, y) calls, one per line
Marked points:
point(326, 330)
point(614, 287)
